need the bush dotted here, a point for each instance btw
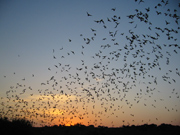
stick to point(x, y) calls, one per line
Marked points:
point(16, 126)
point(21, 123)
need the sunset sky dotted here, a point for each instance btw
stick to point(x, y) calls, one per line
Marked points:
point(50, 74)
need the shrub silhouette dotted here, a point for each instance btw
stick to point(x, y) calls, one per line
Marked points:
point(21, 123)
point(16, 126)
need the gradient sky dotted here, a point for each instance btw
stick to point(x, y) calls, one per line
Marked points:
point(33, 32)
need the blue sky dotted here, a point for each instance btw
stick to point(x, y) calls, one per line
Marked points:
point(31, 30)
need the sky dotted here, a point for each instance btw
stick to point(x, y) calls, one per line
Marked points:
point(58, 65)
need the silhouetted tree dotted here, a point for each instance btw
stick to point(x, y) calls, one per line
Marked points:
point(16, 126)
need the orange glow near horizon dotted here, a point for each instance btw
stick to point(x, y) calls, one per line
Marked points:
point(68, 125)
point(58, 115)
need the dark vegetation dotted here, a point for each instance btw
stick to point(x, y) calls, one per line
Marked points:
point(15, 126)
point(24, 127)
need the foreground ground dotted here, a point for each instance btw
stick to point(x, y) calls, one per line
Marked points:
point(23, 127)
point(133, 130)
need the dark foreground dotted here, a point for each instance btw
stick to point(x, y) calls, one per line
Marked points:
point(22, 127)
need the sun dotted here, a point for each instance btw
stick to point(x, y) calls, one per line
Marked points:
point(68, 125)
